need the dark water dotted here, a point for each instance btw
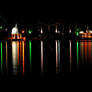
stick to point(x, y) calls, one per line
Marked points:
point(41, 59)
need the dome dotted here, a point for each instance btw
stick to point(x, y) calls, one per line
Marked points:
point(81, 32)
point(90, 31)
point(15, 30)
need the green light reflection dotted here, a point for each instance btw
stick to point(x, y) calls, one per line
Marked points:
point(77, 31)
point(30, 51)
point(77, 45)
point(29, 31)
point(1, 56)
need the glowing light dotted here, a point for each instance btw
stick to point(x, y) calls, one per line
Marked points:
point(24, 38)
point(30, 50)
point(42, 56)
point(77, 31)
point(89, 50)
point(18, 51)
point(1, 57)
point(70, 31)
point(1, 27)
point(56, 29)
point(82, 51)
point(81, 32)
point(20, 43)
point(70, 45)
point(77, 52)
point(41, 30)
point(15, 56)
point(29, 31)
point(23, 58)
point(90, 31)
point(57, 56)
point(23, 31)
point(15, 30)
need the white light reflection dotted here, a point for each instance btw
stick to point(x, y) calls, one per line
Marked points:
point(15, 56)
point(15, 30)
point(70, 31)
point(70, 46)
point(41, 56)
point(57, 56)
point(41, 31)
point(56, 29)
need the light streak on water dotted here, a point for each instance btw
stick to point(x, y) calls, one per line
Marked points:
point(41, 56)
point(82, 51)
point(30, 53)
point(18, 51)
point(89, 50)
point(15, 56)
point(77, 46)
point(20, 44)
point(85, 50)
point(1, 57)
point(23, 57)
point(57, 56)
point(70, 48)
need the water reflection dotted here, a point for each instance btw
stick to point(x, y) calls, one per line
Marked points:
point(18, 55)
point(30, 54)
point(77, 48)
point(1, 46)
point(82, 52)
point(70, 56)
point(23, 57)
point(15, 56)
point(70, 50)
point(41, 56)
point(57, 42)
point(86, 51)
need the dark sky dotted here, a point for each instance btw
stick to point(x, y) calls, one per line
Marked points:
point(32, 11)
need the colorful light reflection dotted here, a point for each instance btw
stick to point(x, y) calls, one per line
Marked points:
point(23, 57)
point(57, 56)
point(41, 56)
point(1, 57)
point(30, 55)
point(70, 48)
point(77, 46)
point(82, 51)
point(15, 56)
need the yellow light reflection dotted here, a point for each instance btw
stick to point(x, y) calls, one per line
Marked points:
point(15, 56)
point(20, 44)
point(23, 57)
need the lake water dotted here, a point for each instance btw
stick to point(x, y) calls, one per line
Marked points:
point(41, 59)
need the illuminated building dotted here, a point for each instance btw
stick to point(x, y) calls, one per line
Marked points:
point(15, 33)
point(87, 34)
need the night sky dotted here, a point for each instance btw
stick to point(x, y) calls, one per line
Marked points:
point(44, 10)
